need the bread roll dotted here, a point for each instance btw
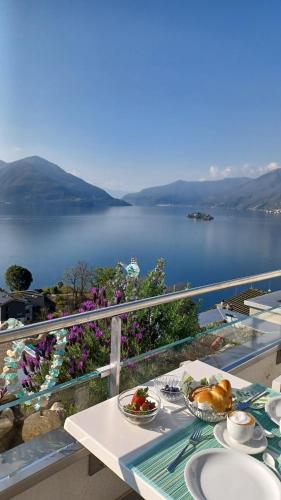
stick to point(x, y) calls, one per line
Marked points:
point(218, 396)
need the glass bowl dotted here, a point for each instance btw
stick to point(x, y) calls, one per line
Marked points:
point(208, 415)
point(163, 386)
point(135, 417)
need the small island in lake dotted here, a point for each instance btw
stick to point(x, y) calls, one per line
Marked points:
point(200, 216)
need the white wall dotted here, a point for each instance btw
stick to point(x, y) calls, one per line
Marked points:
point(261, 371)
point(74, 483)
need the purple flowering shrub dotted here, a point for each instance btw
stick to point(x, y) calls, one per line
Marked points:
point(36, 367)
point(88, 345)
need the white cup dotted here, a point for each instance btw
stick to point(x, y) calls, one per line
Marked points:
point(240, 426)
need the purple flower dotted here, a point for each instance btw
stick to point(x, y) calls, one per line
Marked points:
point(87, 305)
point(124, 339)
point(31, 363)
point(45, 346)
point(27, 383)
point(135, 325)
point(72, 367)
point(72, 370)
point(81, 365)
point(72, 338)
point(92, 325)
point(124, 318)
point(50, 316)
point(102, 302)
point(139, 336)
point(94, 292)
point(36, 363)
point(75, 334)
point(85, 355)
point(118, 296)
point(98, 333)
point(77, 329)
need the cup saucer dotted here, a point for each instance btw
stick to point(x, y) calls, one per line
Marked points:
point(252, 447)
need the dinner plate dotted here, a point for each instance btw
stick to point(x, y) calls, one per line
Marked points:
point(273, 409)
point(252, 447)
point(217, 474)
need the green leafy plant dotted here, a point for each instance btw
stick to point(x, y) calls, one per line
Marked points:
point(18, 278)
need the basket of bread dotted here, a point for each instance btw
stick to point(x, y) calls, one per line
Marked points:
point(208, 399)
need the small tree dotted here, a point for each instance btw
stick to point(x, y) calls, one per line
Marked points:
point(80, 278)
point(18, 278)
point(103, 275)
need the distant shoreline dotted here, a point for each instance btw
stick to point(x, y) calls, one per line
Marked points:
point(61, 209)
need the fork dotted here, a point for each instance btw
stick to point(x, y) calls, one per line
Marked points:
point(242, 405)
point(193, 441)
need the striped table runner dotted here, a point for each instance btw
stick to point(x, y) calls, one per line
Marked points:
point(151, 466)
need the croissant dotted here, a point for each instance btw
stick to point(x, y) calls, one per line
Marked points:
point(218, 396)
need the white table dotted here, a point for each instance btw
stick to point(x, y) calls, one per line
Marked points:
point(107, 435)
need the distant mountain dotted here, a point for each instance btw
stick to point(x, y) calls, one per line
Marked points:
point(187, 193)
point(261, 193)
point(34, 181)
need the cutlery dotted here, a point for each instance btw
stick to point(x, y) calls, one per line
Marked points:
point(193, 441)
point(269, 460)
point(267, 433)
point(242, 405)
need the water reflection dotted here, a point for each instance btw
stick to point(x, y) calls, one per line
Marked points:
point(232, 245)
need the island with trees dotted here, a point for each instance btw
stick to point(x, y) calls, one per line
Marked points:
point(200, 216)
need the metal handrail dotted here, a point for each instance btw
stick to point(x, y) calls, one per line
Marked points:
point(136, 305)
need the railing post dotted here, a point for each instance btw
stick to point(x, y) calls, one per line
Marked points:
point(115, 356)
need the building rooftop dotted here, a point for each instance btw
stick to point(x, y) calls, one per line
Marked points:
point(218, 315)
point(239, 302)
point(264, 302)
point(4, 297)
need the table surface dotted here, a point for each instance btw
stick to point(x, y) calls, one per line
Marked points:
point(116, 442)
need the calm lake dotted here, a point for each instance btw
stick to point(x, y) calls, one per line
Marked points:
point(232, 245)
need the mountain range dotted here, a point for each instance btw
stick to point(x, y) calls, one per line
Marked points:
point(34, 181)
point(261, 193)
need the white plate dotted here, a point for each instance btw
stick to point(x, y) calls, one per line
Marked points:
point(252, 447)
point(217, 474)
point(273, 409)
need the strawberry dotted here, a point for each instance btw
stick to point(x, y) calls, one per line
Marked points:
point(151, 405)
point(139, 397)
point(145, 406)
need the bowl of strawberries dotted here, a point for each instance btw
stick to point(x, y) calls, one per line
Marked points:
point(139, 406)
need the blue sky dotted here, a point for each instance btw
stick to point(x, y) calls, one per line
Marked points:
point(133, 93)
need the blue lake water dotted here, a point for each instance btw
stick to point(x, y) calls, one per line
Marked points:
point(232, 245)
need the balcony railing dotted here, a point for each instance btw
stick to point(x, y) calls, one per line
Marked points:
point(178, 350)
point(114, 312)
